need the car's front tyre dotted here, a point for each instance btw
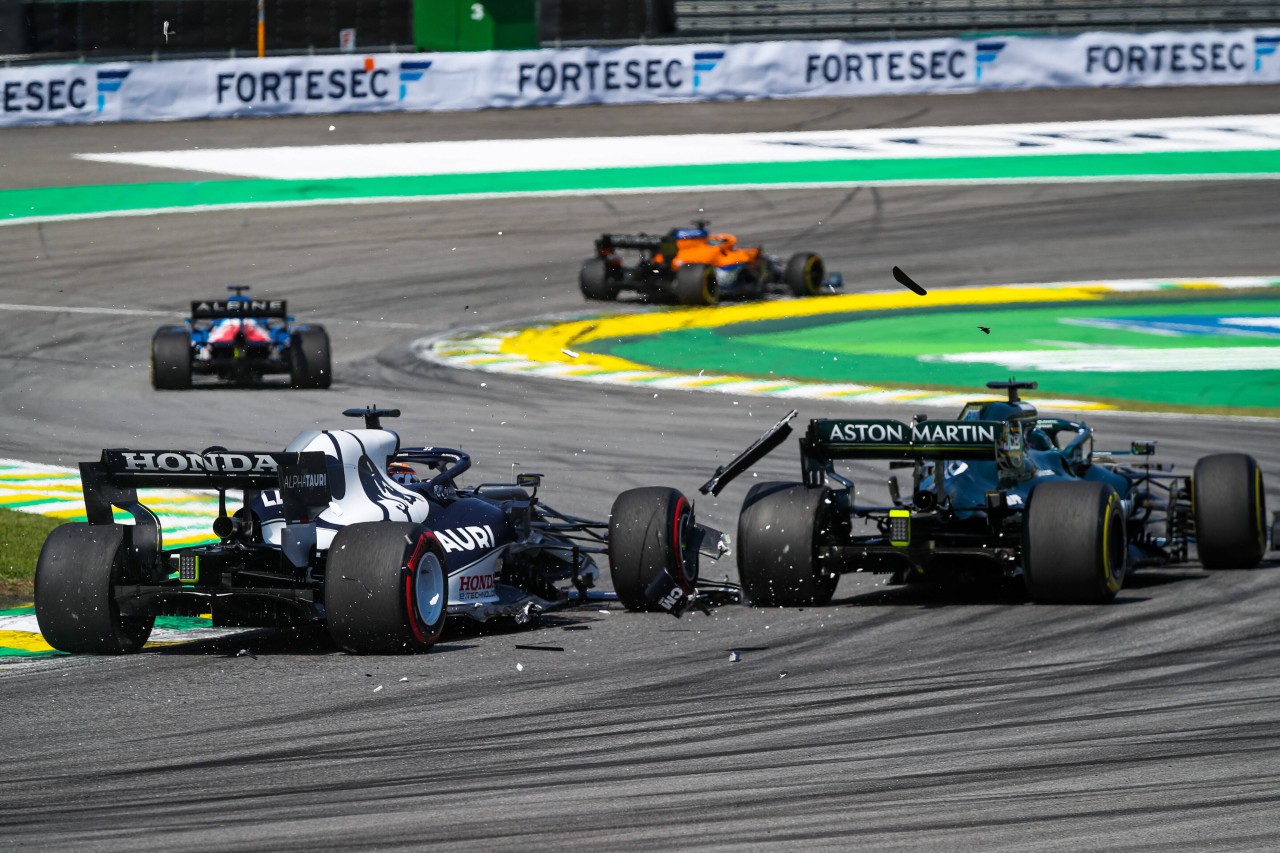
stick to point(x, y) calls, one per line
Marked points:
point(805, 273)
point(648, 534)
point(1230, 511)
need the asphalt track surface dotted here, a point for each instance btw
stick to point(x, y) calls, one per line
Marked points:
point(894, 719)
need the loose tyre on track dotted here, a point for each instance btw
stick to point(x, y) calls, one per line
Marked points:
point(1230, 511)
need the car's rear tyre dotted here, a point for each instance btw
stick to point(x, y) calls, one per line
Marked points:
point(596, 282)
point(386, 588)
point(171, 359)
point(696, 284)
point(649, 534)
point(1230, 511)
point(309, 361)
point(805, 273)
point(76, 608)
point(1075, 545)
point(779, 529)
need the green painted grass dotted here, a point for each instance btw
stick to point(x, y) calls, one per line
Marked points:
point(886, 349)
point(16, 205)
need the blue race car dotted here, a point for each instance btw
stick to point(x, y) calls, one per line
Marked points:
point(240, 339)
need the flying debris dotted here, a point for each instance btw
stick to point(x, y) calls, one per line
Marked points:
point(986, 330)
point(906, 281)
point(167, 32)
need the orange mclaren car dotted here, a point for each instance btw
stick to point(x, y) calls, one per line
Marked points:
point(692, 266)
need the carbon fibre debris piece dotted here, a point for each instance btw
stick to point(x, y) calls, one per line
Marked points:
point(907, 282)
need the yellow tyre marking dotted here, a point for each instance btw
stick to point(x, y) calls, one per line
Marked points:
point(1112, 583)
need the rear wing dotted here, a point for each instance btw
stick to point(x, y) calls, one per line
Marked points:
point(885, 439)
point(828, 439)
point(647, 244)
point(114, 480)
point(630, 241)
point(831, 439)
point(221, 309)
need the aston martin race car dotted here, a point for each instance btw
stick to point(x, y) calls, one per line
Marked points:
point(240, 339)
point(692, 266)
point(998, 491)
point(325, 535)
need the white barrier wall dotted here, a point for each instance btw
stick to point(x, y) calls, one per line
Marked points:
point(160, 91)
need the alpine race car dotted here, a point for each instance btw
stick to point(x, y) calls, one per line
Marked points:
point(240, 339)
point(692, 266)
point(326, 535)
point(998, 491)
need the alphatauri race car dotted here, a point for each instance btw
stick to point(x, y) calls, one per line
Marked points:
point(999, 491)
point(240, 339)
point(326, 535)
point(692, 266)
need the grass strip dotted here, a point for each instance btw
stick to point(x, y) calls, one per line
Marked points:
point(22, 536)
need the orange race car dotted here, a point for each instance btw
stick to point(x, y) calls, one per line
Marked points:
point(692, 266)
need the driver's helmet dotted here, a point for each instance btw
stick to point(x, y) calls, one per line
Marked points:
point(402, 473)
point(1038, 439)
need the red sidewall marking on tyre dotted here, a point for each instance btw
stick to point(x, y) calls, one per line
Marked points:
point(410, 598)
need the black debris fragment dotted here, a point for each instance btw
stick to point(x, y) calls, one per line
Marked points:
point(542, 648)
point(906, 281)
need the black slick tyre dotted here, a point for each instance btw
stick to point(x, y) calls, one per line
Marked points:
point(1075, 544)
point(804, 274)
point(1230, 511)
point(76, 608)
point(696, 284)
point(595, 282)
point(309, 361)
point(649, 534)
point(779, 529)
point(386, 588)
point(171, 359)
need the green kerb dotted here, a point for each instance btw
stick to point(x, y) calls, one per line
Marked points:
point(16, 205)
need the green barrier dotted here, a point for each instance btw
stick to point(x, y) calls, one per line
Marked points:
point(455, 25)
